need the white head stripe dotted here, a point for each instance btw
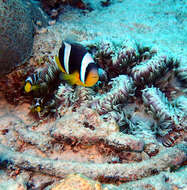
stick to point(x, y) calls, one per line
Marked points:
point(29, 79)
point(67, 51)
point(87, 59)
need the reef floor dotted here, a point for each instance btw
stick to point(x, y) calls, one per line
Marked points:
point(127, 132)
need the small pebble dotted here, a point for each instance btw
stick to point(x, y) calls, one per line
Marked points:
point(52, 22)
point(39, 23)
point(152, 149)
point(54, 13)
point(41, 31)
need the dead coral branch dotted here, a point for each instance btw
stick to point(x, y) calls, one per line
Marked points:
point(39, 139)
point(88, 128)
point(165, 160)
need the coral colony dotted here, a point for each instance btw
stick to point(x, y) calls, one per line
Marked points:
point(142, 70)
point(113, 118)
point(95, 116)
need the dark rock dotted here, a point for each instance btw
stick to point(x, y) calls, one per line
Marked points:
point(17, 19)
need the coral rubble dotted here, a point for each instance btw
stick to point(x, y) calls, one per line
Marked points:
point(165, 160)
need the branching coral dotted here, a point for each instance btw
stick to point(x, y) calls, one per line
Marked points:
point(122, 88)
point(162, 109)
point(182, 74)
point(151, 70)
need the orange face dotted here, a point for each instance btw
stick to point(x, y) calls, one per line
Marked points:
point(92, 78)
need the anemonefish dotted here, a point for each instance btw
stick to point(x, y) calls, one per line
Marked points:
point(29, 83)
point(77, 65)
point(37, 106)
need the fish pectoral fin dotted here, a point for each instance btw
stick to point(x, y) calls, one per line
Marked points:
point(71, 78)
point(68, 78)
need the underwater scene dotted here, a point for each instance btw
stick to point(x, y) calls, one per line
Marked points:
point(93, 94)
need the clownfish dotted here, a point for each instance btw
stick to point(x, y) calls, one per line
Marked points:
point(29, 83)
point(37, 106)
point(77, 65)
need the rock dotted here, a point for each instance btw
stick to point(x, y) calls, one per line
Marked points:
point(77, 181)
point(16, 39)
point(17, 19)
point(12, 185)
point(54, 7)
point(54, 3)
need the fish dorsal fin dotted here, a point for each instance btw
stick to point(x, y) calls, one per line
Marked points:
point(87, 59)
point(67, 51)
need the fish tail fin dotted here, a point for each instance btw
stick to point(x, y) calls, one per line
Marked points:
point(35, 87)
point(37, 106)
point(38, 109)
